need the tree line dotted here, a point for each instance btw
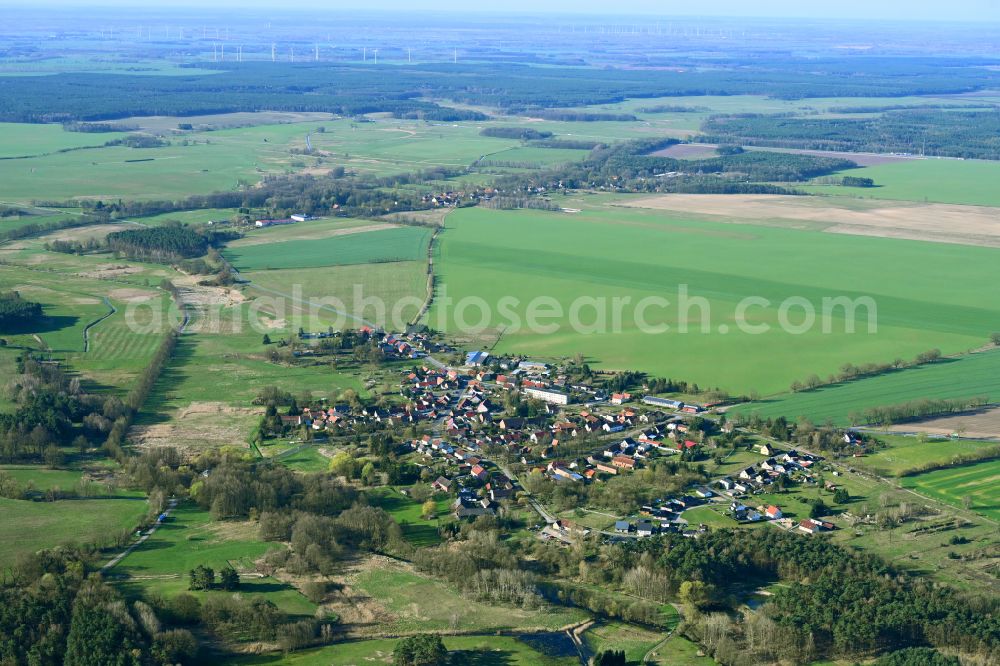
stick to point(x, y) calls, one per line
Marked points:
point(952, 133)
point(16, 311)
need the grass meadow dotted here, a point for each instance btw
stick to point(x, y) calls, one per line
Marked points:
point(27, 526)
point(478, 650)
point(606, 252)
point(190, 538)
point(408, 513)
point(634, 640)
point(967, 376)
point(421, 604)
point(27, 140)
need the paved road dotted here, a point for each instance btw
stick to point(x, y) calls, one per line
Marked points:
point(171, 505)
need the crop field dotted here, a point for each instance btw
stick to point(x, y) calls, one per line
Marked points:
point(478, 650)
point(385, 245)
point(190, 538)
point(977, 484)
point(305, 297)
point(965, 377)
point(970, 182)
point(26, 526)
point(539, 156)
point(983, 422)
point(606, 252)
point(420, 604)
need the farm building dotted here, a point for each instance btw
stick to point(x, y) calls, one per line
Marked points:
point(476, 358)
point(662, 402)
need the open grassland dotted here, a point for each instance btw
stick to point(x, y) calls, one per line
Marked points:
point(205, 392)
point(42, 478)
point(478, 650)
point(904, 454)
point(190, 538)
point(193, 217)
point(224, 159)
point(26, 526)
point(976, 485)
point(679, 651)
point(378, 246)
point(970, 182)
point(416, 603)
point(964, 377)
point(606, 252)
point(26, 140)
point(634, 640)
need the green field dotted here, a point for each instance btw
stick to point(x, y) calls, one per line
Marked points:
point(386, 245)
point(968, 376)
point(42, 478)
point(190, 538)
point(478, 650)
point(420, 604)
point(977, 483)
point(607, 252)
point(903, 454)
point(26, 527)
point(25, 140)
point(934, 180)
point(117, 351)
point(408, 513)
point(636, 641)
point(395, 291)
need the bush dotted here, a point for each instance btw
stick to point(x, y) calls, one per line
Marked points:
point(423, 650)
point(315, 591)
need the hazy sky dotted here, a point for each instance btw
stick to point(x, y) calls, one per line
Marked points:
point(959, 10)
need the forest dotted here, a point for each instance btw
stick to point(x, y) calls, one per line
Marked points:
point(631, 167)
point(166, 243)
point(350, 90)
point(962, 134)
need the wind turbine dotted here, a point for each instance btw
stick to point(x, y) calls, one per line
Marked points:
point(375, 51)
point(274, 52)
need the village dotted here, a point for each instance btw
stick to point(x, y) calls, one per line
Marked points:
point(470, 447)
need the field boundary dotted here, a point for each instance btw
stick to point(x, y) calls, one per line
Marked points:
point(429, 298)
